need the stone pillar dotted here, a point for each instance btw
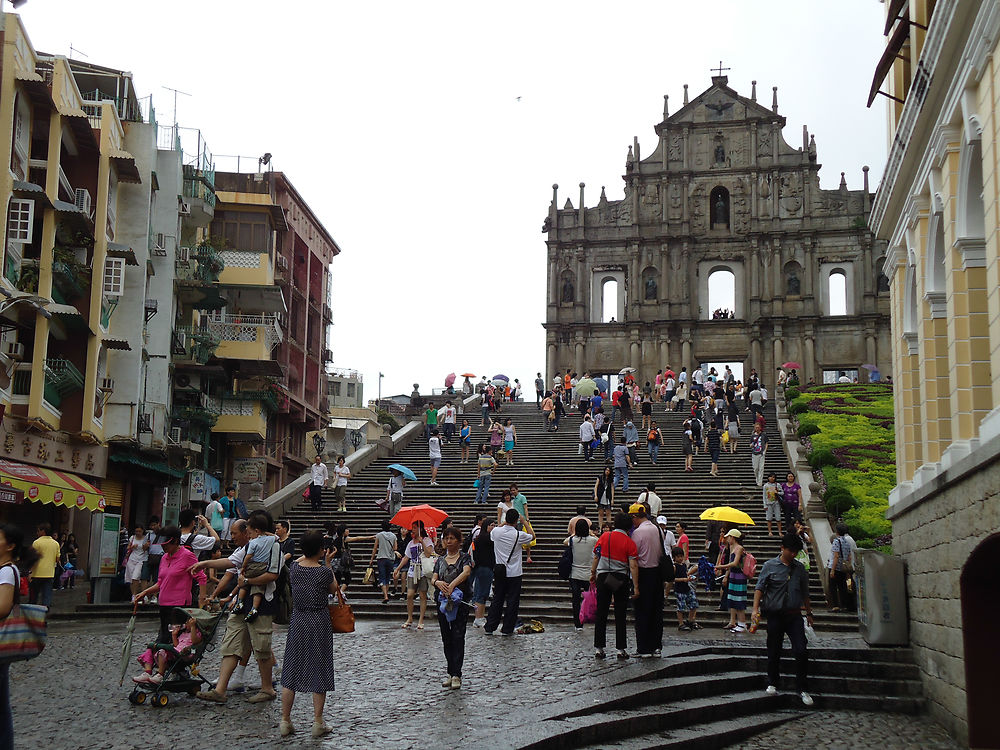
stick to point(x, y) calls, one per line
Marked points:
point(778, 358)
point(550, 364)
point(870, 347)
point(580, 357)
point(634, 284)
point(809, 364)
point(664, 354)
point(663, 290)
point(755, 361)
point(634, 352)
point(685, 353)
point(580, 281)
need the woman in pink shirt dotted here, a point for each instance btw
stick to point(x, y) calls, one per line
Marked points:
point(174, 584)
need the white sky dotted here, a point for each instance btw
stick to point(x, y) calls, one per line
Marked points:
point(400, 125)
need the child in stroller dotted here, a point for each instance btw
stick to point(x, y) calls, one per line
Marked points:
point(185, 637)
point(177, 663)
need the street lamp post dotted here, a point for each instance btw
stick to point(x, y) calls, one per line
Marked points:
point(319, 443)
point(379, 403)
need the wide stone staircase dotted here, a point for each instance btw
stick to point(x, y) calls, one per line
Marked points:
point(555, 479)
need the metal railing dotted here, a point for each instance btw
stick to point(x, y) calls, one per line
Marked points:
point(247, 328)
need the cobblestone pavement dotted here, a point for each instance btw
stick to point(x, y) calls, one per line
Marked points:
point(851, 730)
point(388, 691)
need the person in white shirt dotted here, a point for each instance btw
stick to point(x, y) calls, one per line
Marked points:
point(698, 379)
point(507, 541)
point(843, 378)
point(319, 477)
point(138, 553)
point(669, 540)
point(651, 500)
point(434, 452)
point(342, 473)
point(450, 414)
point(587, 435)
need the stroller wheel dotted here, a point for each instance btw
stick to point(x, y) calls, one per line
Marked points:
point(160, 700)
point(138, 697)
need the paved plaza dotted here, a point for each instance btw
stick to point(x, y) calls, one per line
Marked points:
point(388, 695)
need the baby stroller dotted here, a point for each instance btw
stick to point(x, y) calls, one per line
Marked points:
point(181, 675)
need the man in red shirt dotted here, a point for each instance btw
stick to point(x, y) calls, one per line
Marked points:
point(614, 404)
point(615, 571)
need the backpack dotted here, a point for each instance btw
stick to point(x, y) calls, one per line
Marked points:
point(652, 437)
point(749, 564)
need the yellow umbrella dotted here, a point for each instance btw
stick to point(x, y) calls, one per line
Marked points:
point(726, 514)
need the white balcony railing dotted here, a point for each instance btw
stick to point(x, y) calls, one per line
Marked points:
point(241, 259)
point(247, 328)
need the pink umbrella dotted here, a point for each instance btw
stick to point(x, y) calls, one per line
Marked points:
point(449, 380)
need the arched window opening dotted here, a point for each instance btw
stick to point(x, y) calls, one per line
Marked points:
point(721, 295)
point(719, 208)
point(972, 214)
point(609, 300)
point(837, 282)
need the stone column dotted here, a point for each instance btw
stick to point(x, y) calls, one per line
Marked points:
point(580, 281)
point(809, 365)
point(778, 358)
point(664, 354)
point(685, 353)
point(663, 290)
point(634, 284)
point(550, 364)
point(634, 352)
point(755, 361)
point(580, 357)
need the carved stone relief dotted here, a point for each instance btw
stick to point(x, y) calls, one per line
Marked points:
point(764, 148)
point(676, 149)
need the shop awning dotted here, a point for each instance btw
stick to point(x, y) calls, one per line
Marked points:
point(50, 486)
point(125, 164)
point(36, 87)
point(23, 189)
point(118, 250)
point(79, 123)
point(145, 463)
point(119, 344)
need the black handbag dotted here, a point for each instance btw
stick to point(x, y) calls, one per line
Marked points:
point(565, 568)
point(666, 564)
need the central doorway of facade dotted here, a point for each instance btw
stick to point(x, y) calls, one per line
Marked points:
point(720, 368)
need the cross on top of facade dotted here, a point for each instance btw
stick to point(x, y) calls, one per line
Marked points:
point(720, 69)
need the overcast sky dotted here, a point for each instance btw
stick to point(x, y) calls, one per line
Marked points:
point(427, 136)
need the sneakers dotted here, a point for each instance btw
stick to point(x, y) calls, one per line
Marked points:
point(434, 484)
point(623, 654)
point(806, 699)
point(771, 690)
point(657, 654)
point(740, 629)
point(238, 607)
point(155, 679)
point(456, 682)
point(599, 653)
point(579, 630)
point(285, 728)
point(479, 622)
point(141, 679)
point(644, 656)
point(251, 615)
point(446, 682)
point(694, 625)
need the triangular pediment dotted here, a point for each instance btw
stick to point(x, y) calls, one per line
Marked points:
point(720, 104)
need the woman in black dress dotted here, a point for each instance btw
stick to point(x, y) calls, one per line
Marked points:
point(604, 494)
point(308, 665)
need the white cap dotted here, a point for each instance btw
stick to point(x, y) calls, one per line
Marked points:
point(661, 520)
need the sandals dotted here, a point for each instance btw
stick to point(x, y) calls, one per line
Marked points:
point(420, 627)
point(406, 625)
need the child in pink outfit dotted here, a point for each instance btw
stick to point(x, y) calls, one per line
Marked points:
point(185, 637)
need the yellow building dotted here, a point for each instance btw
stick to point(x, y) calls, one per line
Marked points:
point(65, 161)
point(938, 209)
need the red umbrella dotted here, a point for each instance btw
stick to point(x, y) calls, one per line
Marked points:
point(430, 515)
point(449, 380)
point(792, 366)
point(468, 374)
point(669, 374)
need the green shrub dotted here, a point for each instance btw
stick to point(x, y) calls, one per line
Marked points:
point(838, 502)
point(798, 407)
point(808, 429)
point(821, 457)
point(792, 393)
point(386, 418)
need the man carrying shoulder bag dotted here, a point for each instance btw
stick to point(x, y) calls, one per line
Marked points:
point(507, 573)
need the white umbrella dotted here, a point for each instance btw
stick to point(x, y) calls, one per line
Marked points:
point(626, 370)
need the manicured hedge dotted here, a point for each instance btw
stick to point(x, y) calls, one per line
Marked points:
point(853, 424)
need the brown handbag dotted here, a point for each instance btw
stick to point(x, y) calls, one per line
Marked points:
point(341, 618)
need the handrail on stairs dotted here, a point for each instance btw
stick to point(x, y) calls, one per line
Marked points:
point(291, 494)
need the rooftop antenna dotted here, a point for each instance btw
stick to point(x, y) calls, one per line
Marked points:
point(176, 92)
point(73, 49)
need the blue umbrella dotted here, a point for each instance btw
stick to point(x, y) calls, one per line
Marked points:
point(602, 384)
point(404, 471)
point(501, 377)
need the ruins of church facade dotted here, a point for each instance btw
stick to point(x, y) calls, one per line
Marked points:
point(721, 191)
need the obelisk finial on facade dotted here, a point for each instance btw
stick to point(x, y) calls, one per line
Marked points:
point(685, 94)
point(753, 91)
point(774, 99)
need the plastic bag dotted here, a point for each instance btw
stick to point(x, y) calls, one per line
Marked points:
point(811, 636)
point(588, 607)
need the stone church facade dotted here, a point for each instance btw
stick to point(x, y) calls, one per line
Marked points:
point(721, 191)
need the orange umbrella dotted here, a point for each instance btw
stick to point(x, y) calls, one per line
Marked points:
point(430, 515)
point(468, 374)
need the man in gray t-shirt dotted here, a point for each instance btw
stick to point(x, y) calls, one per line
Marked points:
point(384, 555)
point(623, 462)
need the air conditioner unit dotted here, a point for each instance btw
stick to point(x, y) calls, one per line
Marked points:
point(183, 254)
point(282, 263)
point(175, 434)
point(107, 385)
point(14, 350)
point(161, 240)
point(185, 209)
point(83, 200)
